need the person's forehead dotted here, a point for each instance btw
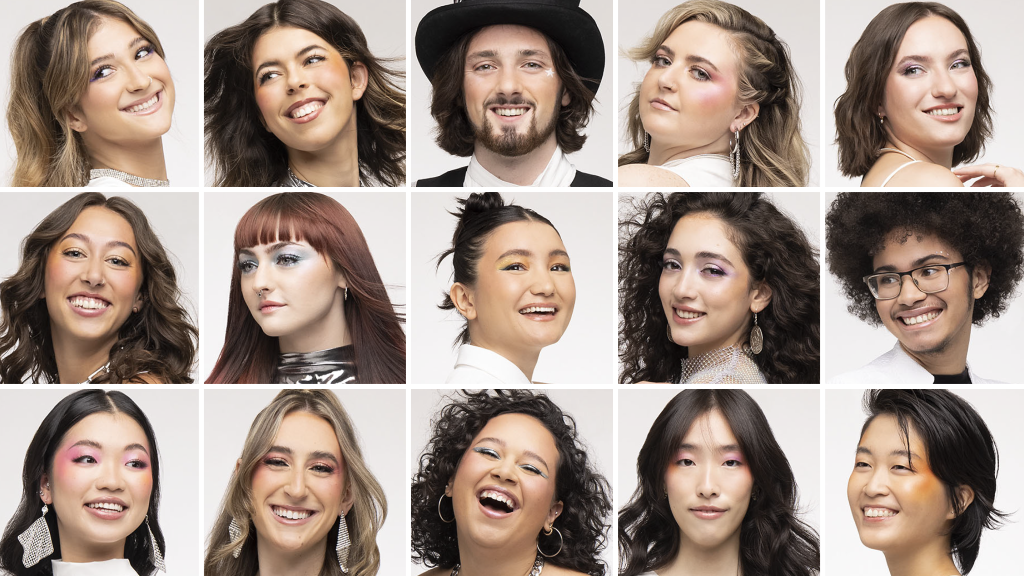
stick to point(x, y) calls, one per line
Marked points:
point(508, 38)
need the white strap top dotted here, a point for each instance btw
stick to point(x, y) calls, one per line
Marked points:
point(901, 167)
point(703, 170)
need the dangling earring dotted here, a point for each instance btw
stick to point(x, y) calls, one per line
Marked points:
point(548, 533)
point(345, 297)
point(234, 533)
point(154, 552)
point(881, 121)
point(734, 155)
point(756, 338)
point(647, 142)
point(343, 543)
point(439, 500)
point(668, 332)
point(36, 541)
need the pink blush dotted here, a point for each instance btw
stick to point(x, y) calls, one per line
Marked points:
point(712, 97)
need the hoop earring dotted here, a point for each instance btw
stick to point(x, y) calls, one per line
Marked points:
point(734, 154)
point(756, 338)
point(442, 515)
point(647, 142)
point(548, 533)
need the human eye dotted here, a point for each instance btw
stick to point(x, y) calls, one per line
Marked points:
point(143, 52)
point(913, 70)
point(699, 74)
point(314, 58)
point(322, 468)
point(485, 67)
point(561, 268)
point(712, 270)
point(533, 470)
point(275, 462)
point(732, 463)
point(670, 264)
point(102, 72)
point(516, 267)
point(73, 253)
point(247, 266)
point(267, 76)
point(887, 280)
point(287, 259)
point(962, 63)
point(118, 261)
point(486, 452)
point(137, 463)
point(85, 459)
point(685, 462)
point(534, 65)
point(930, 271)
point(661, 60)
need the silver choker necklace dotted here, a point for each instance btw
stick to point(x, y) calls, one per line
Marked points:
point(538, 567)
point(294, 181)
point(127, 178)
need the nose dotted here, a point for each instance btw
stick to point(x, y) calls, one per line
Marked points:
point(138, 80)
point(509, 82)
point(92, 272)
point(543, 283)
point(708, 486)
point(878, 483)
point(909, 292)
point(943, 85)
point(261, 279)
point(667, 79)
point(297, 80)
point(504, 470)
point(296, 487)
point(685, 286)
point(110, 476)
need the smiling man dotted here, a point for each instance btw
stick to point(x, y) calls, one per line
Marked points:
point(928, 266)
point(513, 84)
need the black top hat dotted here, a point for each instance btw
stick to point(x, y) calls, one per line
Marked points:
point(561, 20)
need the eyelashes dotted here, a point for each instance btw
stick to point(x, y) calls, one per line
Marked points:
point(271, 74)
point(107, 70)
point(284, 260)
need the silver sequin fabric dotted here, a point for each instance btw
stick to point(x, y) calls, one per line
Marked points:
point(731, 365)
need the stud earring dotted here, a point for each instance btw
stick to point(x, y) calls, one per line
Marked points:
point(756, 338)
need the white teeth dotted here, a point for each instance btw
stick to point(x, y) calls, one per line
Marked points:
point(943, 111)
point(538, 310)
point(88, 303)
point(510, 111)
point(879, 512)
point(306, 109)
point(910, 321)
point(687, 314)
point(291, 514)
point(495, 495)
point(106, 506)
point(145, 105)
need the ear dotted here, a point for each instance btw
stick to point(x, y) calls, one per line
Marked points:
point(760, 297)
point(553, 513)
point(342, 280)
point(463, 298)
point(566, 98)
point(238, 465)
point(966, 494)
point(347, 500)
point(980, 277)
point(44, 489)
point(359, 76)
point(448, 488)
point(75, 120)
point(745, 116)
point(137, 305)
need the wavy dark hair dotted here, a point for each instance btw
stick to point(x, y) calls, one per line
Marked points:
point(479, 215)
point(71, 410)
point(584, 493)
point(243, 152)
point(773, 541)
point(960, 451)
point(159, 342)
point(774, 249)
point(858, 132)
point(455, 132)
point(249, 356)
point(984, 227)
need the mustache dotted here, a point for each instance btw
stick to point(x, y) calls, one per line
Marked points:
point(502, 100)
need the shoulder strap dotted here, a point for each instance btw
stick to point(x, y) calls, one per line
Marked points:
point(886, 181)
point(450, 179)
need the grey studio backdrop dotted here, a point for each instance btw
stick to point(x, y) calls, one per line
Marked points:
point(1000, 549)
point(792, 414)
point(380, 215)
point(584, 354)
point(796, 22)
point(173, 216)
point(995, 26)
point(378, 417)
point(381, 21)
point(591, 409)
point(176, 25)
point(174, 415)
point(851, 343)
point(427, 160)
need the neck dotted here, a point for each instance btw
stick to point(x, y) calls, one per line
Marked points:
point(504, 561)
point(940, 156)
point(77, 359)
point(331, 331)
point(73, 550)
point(662, 155)
point(524, 358)
point(694, 560)
point(274, 562)
point(145, 159)
point(519, 170)
point(734, 339)
point(336, 165)
point(949, 358)
point(932, 559)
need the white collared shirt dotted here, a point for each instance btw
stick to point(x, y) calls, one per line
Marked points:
point(558, 173)
point(476, 365)
point(897, 367)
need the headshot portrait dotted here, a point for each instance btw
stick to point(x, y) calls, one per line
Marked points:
point(713, 93)
point(307, 481)
point(514, 87)
point(919, 94)
point(498, 280)
point(308, 288)
point(719, 288)
point(100, 93)
point(931, 479)
point(511, 481)
point(108, 484)
point(99, 289)
point(723, 478)
point(939, 271)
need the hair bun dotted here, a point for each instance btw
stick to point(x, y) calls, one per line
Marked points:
point(481, 202)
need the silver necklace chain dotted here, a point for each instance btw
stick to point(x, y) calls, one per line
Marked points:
point(538, 567)
point(296, 182)
point(127, 178)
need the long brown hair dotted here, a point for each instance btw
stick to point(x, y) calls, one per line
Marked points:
point(50, 72)
point(159, 340)
point(772, 151)
point(243, 152)
point(859, 134)
point(249, 356)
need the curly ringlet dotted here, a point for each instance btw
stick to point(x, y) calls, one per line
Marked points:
point(772, 151)
point(49, 75)
point(160, 339)
point(859, 134)
point(584, 493)
point(364, 519)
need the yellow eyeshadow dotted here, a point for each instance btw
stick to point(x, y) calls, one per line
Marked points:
point(507, 262)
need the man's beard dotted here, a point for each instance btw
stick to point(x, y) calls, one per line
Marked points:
point(509, 142)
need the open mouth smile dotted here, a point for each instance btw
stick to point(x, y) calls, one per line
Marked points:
point(946, 113)
point(305, 110)
point(539, 312)
point(877, 514)
point(290, 515)
point(919, 318)
point(144, 107)
point(107, 509)
point(497, 503)
point(88, 305)
point(685, 316)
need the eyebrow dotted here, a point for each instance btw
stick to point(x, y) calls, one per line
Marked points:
point(718, 449)
point(702, 254)
point(919, 262)
point(98, 446)
point(270, 248)
point(131, 44)
point(529, 453)
point(898, 452)
point(314, 455)
point(491, 53)
point(953, 54)
point(297, 55)
point(528, 254)
point(690, 58)
point(110, 244)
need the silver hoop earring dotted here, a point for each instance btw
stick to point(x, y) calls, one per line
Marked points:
point(734, 155)
point(343, 544)
point(756, 338)
point(439, 500)
point(235, 533)
point(647, 142)
point(548, 533)
point(154, 551)
point(36, 541)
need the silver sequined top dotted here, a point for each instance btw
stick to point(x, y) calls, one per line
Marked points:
point(730, 365)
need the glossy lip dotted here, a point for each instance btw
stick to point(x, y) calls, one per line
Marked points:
point(107, 514)
point(268, 307)
point(151, 110)
point(510, 119)
point(959, 113)
point(289, 521)
point(540, 317)
point(87, 312)
point(687, 321)
point(491, 513)
point(308, 117)
point(659, 104)
point(708, 512)
point(917, 312)
point(864, 517)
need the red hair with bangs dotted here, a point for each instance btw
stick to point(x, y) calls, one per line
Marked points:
point(249, 356)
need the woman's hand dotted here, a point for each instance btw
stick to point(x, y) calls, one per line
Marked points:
point(991, 175)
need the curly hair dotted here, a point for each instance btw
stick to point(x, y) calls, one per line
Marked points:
point(159, 340)
point(960, 451)
point(858, 132)
point(584, 493)
point(984, 227)
point(773, 152)
point(244, 152)
point(772, 539)
point(774, 249)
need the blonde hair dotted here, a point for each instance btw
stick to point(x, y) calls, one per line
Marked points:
point(772, 151)
point(364, 519)
point(49, 74)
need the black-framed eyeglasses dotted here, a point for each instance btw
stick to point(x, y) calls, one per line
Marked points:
point(929, 279)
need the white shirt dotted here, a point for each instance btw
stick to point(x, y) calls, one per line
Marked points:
point(558, 173)
point(896, 367)
point(117, 567)
point(477, 365)
point(703, 170)
point(107, 182)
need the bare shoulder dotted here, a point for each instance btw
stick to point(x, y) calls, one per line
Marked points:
point(439, 571)
point(925, 174)
point(646, 175)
